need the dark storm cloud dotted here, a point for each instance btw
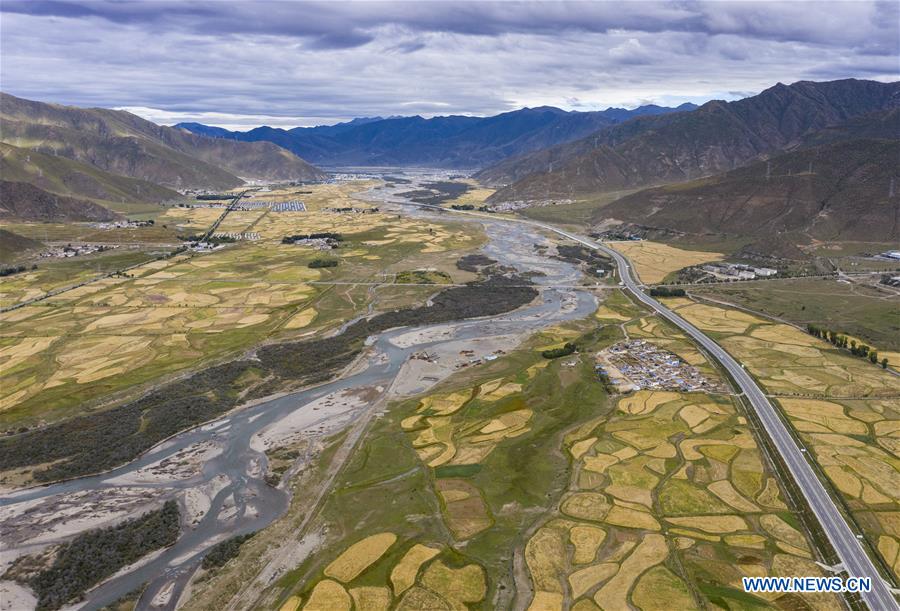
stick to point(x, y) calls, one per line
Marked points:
point(343, 22)
point(291, 62)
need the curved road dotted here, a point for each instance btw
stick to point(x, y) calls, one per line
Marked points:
point(850, 551)
point(854, 558)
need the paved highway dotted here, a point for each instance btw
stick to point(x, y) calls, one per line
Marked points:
point(854, 558)
point(849, 549)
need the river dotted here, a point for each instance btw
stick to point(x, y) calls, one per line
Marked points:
point(231, 463)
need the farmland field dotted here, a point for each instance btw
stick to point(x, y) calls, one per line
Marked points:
point(52, 274)
point(669, 503)
point(844, 408)
point(654, 261)
point(66, 352)
point(160, 233)
point(661, 500)
point(866, 312)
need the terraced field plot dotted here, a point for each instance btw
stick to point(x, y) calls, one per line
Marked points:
point(240, 221)
point(846, 410)
point(454, 475)
point(85, 232)
point(391, 231)
point(475, 195)
point(316, 197)
point(118, 332)
point(654, 261)
point(191, 220)
point(166, 315)
point(853, 309)
point(53, 274)
point(422, 577)
point(669, 505)
point(663, 502)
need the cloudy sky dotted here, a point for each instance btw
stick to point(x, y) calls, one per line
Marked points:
point(239, 64)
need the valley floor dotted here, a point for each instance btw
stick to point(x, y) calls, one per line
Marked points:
point(455, 465)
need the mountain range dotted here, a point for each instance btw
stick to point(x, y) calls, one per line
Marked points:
point(122, 144)
point(24, 201)
point(71, 178)
point(810, 160)
point(841, 191)
point(716, 137)
point(446, 142)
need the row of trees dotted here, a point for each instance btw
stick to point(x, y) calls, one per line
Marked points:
point(14, 269)
point(214, 197)
point(842, 341)
point(556, 353)
point(665, 291)
point(324, 235)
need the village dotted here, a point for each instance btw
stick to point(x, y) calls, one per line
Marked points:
point(126, 224)
point(512, 206)
point(640, 365)
point(75, 250)
point(738, 271)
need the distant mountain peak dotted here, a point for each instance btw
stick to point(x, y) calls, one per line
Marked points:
point(547, 108)
point(456, 141)
point(675, 147)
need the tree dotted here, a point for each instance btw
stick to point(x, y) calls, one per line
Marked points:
point(873, 357)
point(555, 353)
point(884, 363)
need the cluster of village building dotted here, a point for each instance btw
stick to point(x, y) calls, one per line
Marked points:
point(76, 250)
point(237, 235)
point(294, 205)
point(519, 204)
point(637, 364)
point(351, 210)
point(738, 271)
point(122, 224)
point(317, 243)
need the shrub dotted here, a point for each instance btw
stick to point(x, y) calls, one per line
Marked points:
point(222, 552)
point(555, 353)
point(96, 554)
point(665, 291)
point(319, 262)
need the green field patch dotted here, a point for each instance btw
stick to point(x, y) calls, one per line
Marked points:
point(456, 470)
point(681, 498)
point(419, 276)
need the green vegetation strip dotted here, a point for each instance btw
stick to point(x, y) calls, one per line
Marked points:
point(222, 552)
point(100, 441)
point(95, 555)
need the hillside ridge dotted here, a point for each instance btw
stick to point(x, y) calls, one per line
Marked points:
point(717, 137)
point(119, 142)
